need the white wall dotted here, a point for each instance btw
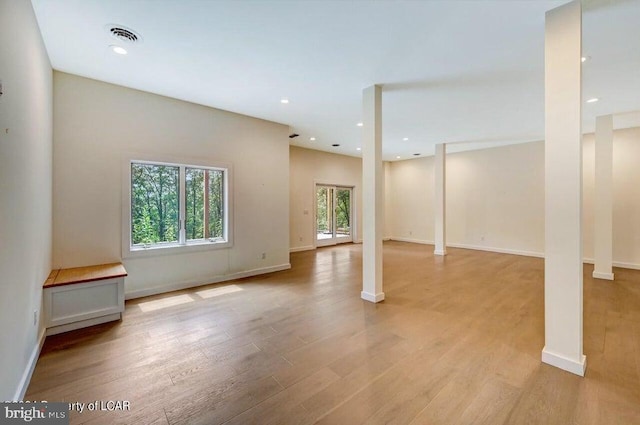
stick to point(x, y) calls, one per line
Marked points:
point(388, 207)
point(626, 196)
point(25, 191)
point(410, 197)
point(308, 167)
point(95, 124)
point(495, 198)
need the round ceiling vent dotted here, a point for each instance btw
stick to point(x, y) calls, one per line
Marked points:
point(123, 33)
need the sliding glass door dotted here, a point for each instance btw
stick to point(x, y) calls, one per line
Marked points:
point(333, 214)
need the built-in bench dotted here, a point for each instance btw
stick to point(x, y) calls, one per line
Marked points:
point(83, 296)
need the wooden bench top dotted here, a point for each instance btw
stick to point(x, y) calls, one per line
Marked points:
point(84, 274)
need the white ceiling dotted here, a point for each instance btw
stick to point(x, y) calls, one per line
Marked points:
point(452, 71)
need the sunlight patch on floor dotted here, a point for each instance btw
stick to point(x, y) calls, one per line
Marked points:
point(165, 303)
point(216, 292)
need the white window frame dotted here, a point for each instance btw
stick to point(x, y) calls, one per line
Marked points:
point(183, 245)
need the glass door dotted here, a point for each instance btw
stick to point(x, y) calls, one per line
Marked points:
point(333, 214)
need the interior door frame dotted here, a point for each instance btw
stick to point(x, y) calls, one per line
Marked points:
point(334, 241)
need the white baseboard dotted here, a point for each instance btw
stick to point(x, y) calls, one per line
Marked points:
point(28, 371)
point(411, 240)
point(201, 282)
point(601, 275)
point(374, 298)
point(564, 363)
point(622, 265)
point(498, 250)
point(302, 248)
point(632, 266)
point(474, 247)
point(626, 265)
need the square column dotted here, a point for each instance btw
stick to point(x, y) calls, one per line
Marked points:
point(603, 221)
point(563, 189)
point(372, 195)
point(440, 200)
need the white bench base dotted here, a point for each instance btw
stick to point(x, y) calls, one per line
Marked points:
point(83, 324)
point(79, 305)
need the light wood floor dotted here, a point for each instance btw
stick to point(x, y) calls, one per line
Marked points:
point(457, 341)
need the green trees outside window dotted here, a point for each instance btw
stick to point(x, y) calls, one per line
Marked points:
point(156, 203)
point(204, 204)
point(323, 214)
point(343, 210)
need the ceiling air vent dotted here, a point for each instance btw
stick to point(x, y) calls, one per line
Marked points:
point(123, 33)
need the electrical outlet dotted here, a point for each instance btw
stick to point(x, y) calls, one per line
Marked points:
point(264, 255)
point(300, 238)
point(35, 317)
point(410, 233)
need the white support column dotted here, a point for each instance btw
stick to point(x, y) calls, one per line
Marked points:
point(440, 200)
point(563, 189)
point(603, 222)
point(372, 195)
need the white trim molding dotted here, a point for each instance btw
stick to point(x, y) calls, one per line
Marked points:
point(632, 266)
point(374, 298)
point(564, 363)
point(411, 240)
point(600, 275)
point(302, 248)
point(622, 265)
point(83, 324)
point(473, 247)
point(31, 365)
point(202, 282)
point(498, 250)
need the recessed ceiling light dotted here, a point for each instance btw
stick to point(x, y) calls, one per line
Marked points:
point(593, 100)
point(312, 139)
point(335, 145)
point(397, 157)
point(405, 139)
point(585, 58)
point(358, 149)
point(119, 50)
point(359, 124)
point(285, 101)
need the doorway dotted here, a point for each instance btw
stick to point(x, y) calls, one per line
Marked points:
point(334, 206)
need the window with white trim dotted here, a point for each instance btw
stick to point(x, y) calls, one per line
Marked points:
point(177, 206)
